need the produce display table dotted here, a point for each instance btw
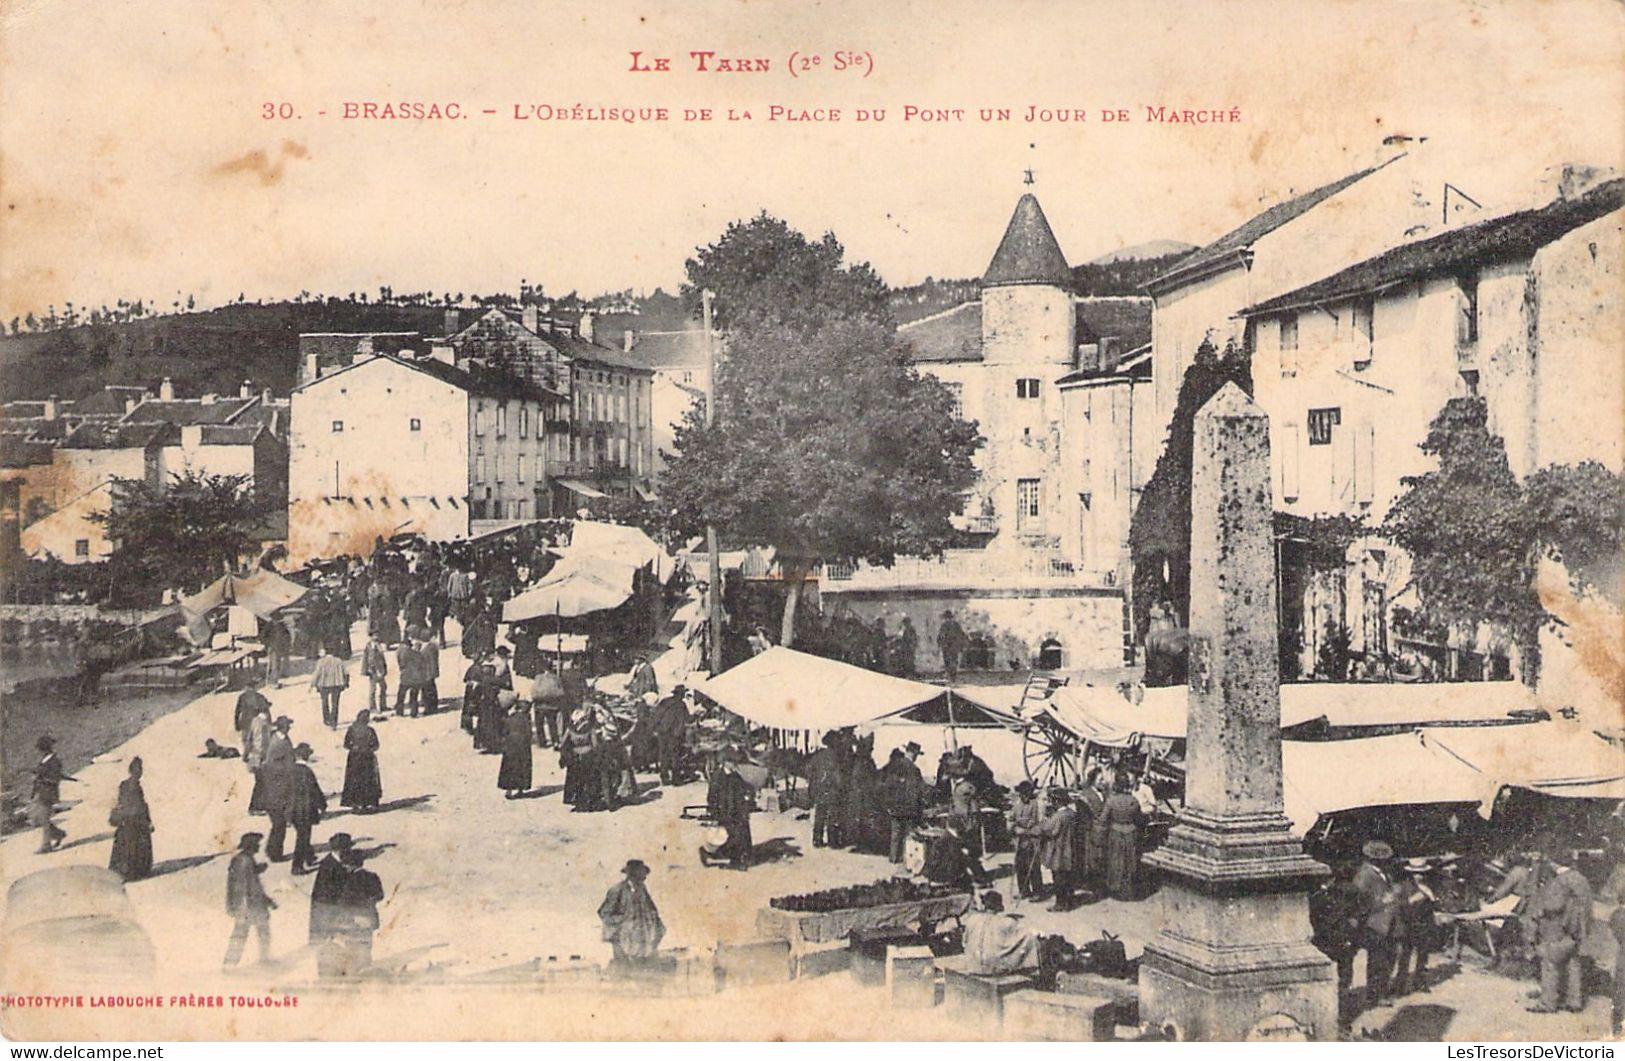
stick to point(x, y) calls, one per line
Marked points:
point(836, 925)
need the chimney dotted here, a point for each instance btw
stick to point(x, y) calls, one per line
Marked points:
point(629, 339)
point(313, 367)
point(50, 408)
point(246, 390)
point(191, 436)
point(531, 318)
point(444, 353)
point(265, 396)
point(1089, 357)
point(166, 390)
point(208, 399)
point(1111, 352)
point(585, 327)
point(129, 405)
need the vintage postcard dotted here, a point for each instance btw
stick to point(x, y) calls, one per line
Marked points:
point(1087, 521)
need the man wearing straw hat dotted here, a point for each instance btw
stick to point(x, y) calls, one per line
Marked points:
point(1378, 909)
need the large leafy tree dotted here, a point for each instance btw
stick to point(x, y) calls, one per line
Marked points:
point(1475, 533)
point(1160, 531)
point(185, 533)
point(826, 444)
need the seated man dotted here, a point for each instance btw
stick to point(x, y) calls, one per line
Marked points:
point(996, 944)
point(950, 859)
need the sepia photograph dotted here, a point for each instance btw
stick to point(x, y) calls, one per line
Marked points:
point(730, 521)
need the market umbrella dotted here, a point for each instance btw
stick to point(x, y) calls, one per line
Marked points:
point(576, 594)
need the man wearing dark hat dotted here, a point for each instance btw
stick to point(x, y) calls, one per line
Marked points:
point(363, 891)
point(670, 723)
point(642, 680)
point(304, 806)
point(1562, 911)
point(249, 703)
point(247, 902)
point(1025, 817)
point(1415, 926)
point(902, 788)
point(826, 785)
point(730, 802)
point(47, 793)
point(1378, 913)
point(632, 925)
point(327, 911)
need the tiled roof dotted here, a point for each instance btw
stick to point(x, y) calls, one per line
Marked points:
point(1506, 238)
point(1258, 227)
point(96, 434)
point(38, 428)
point(578, 349)
point(1028, 253)
point(184, 411)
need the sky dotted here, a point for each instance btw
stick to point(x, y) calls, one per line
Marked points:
point(135, 160)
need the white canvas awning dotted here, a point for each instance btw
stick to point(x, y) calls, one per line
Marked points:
point(1556, 758)
point(568, 597)
point(262, 592)
point(790, 690)
point(1105, 716)
point(577, 486)
point(627, 545)
point(1324, 777)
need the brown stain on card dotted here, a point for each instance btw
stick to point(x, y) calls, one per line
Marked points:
point(261, 164)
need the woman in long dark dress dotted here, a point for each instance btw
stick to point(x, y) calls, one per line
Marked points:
point(488, 717)
point(132, 828)
point(514, 776)
point(362, 787)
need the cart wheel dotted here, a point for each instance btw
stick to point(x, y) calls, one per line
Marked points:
point(1052, 757)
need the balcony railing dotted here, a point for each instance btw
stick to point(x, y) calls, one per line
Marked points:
point(976, 524)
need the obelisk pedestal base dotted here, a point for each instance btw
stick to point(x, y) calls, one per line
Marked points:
point(1233, 959)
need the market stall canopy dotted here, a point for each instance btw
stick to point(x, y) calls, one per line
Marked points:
point(1556, 758)
point(1103, 715)
point(627, 544)
point(790, 690)
point(263, 593)
point(1414, 704)
point(1324, 777)
point(568, 597)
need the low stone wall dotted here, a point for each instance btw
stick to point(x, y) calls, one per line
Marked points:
point(32, 623)
point(1088, 623)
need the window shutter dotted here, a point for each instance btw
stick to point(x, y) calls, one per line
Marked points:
point(1365, 448)
point(1289, 461)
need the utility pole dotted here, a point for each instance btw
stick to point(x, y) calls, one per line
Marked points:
point(714, 587)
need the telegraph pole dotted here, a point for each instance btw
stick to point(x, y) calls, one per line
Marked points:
point(714, 588)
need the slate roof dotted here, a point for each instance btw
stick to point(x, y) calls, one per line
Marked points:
point(1028, 253)
point(684, 349)
point(1134, 365)
point(1256, 228)
point(185, 411)
point(486, 382)
point(1506, 238)
point(956, 334)
point(19, 452)
point(109, 401)
point(952, 335)
point(231, 434)
point(95, 434)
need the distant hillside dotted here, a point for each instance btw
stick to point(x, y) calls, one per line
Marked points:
point(209, 351)
point(1122, 272)
point(1157, 248)
point(1117, 274)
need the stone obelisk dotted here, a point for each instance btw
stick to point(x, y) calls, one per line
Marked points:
point(1232, 959)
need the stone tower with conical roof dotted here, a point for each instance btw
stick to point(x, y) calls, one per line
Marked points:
point(1028, 335)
